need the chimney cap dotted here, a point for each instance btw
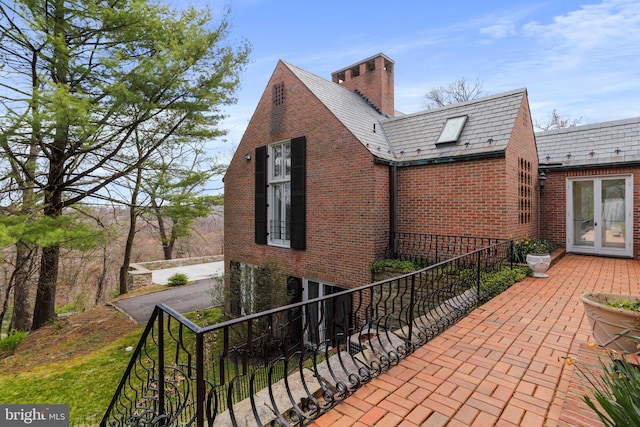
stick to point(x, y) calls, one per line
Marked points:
point(362, 61)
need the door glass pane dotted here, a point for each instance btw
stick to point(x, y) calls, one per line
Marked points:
point(613, 213)
point(583, 224)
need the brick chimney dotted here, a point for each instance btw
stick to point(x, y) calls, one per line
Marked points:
point(373, 79)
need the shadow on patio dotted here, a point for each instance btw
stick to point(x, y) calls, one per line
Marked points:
point(501, 365)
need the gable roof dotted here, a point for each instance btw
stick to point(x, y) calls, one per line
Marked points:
point(490, 122)
point(350, 108)
point(412, 137)
point(598, 144)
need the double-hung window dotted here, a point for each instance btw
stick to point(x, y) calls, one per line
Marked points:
point(280, 194)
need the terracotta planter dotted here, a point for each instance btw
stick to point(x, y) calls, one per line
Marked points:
point(539, 263)
point(608, 322)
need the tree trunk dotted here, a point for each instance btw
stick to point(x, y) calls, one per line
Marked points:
point(103, 276)
point(21, 320)
point(128, 247)
point(167, 244)
point(44, 310)
point(5, 306)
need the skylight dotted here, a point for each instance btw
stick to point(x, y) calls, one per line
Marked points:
point(452, 130)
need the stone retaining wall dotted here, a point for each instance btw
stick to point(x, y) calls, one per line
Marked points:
point(140, 273)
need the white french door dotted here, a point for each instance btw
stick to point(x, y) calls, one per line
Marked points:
point(600, 215)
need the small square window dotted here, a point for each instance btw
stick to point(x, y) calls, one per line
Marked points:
point(452, 130)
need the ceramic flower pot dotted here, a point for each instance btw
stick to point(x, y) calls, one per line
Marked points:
point(539, 263)
point(607, 322)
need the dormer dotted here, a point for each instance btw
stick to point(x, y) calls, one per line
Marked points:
point(373, 79)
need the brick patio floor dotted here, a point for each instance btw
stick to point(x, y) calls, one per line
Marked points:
point(503, 364)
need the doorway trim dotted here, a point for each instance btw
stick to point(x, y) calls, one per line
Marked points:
point(601, 240)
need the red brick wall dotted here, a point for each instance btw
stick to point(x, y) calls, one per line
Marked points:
point(553, 224)
point(460, 198)
point(475, 197)
point(345, 207)
point(522, 146)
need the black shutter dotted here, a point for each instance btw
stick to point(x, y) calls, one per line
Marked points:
point(261, 196)
point(298, 192)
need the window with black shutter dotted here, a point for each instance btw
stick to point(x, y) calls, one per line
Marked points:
point(280, 194)
point(298, 192)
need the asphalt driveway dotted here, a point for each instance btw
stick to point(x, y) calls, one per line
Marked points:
point(197, 295)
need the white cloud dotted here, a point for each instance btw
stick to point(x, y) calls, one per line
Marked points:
point(499, 31)
point(595, 26)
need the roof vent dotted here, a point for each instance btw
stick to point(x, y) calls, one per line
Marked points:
point(452, 130)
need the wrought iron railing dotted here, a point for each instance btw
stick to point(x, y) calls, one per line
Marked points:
point(432, 248)
point(290, 365)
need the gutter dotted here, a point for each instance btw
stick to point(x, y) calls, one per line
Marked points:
point(439, 160)
point(553, 167)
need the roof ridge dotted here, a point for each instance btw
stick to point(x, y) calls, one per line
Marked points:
point(487, 98)
point(589, 126)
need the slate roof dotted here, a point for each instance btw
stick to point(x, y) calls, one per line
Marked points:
point(596, 144)
point(413, 137)
point(351, 109)
point(490, 122)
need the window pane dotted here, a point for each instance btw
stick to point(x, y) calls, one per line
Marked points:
point(613, 210)
point(287, 160)
point(583, 219)
point(277, 161)
point(281, 211)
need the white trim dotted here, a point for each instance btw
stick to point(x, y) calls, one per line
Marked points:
point(282, 181)
point(595, 225)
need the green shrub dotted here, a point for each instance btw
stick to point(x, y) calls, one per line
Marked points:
point(9, 344)
point(496, 281)
point(178, 279)
point(405, 266)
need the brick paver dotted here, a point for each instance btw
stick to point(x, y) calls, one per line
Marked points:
point(503, 364)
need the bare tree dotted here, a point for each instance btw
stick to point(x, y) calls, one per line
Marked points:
point(459, 91)
point(557, 121)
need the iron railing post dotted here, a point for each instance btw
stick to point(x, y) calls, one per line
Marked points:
point(411, 304)
point(200, 392)
point(479, 272)
point(161, 409)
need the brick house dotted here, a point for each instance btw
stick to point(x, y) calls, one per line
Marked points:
point(327, 170)
point(591, 198)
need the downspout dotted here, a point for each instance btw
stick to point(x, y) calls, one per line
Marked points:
point(393, 209)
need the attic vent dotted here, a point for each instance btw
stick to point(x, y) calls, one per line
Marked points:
point(278, 94)
point(452, 130)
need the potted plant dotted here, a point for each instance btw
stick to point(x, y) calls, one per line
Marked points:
point(535, 252)
point(613, 318)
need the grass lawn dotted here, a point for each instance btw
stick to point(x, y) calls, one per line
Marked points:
point(85, 383)
point(78, 361)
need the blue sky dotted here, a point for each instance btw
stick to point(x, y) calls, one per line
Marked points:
point(579, 57)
